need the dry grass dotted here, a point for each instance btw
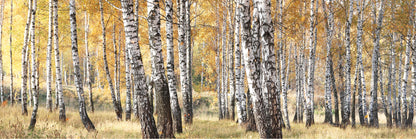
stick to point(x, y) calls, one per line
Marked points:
point(14, 125)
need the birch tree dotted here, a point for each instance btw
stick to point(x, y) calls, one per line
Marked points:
point(24, 59)
point(269, 73)
point(170, 68)
point(392, 82)
point(1, 52)
point(376, 42)
point(164, 120)
point(147, 122)
point(383, 96)
point(239, 89)
point(11, 92)
point(35, 86)
point(49, 60)
point(87, 53)
point(311, 66)
point(231, 73)
point(217, 63)
point(224, 66)
point(347, 94)
point(183, 56)
point(188, 105)
point(128, 84)
point(412, 41)
point(116, 104)
point(400, 77)
point(58, 71)
point(362, 99)
point(251, 49)
point(77, 71)
point(328, 82)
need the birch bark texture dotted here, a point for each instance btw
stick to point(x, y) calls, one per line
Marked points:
point(49, 60)
point(77, 70)
point(239, 89)
point(170, 68)
point(128, 84)
point(329, 32)
point(251, 49)
point(35, 86)
point(164, 120)
point(147, 122)
point(311, 66)
point(362, 94)
point(347, 94)
point(58, 64)
point(25, 59)
point(87, 53)
point(373, 104)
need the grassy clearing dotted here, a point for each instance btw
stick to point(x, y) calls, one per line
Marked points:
point(13, 125)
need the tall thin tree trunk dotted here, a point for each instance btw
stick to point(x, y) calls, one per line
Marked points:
point(362, 101)
point(35, 88)
point(147, 122)
point(373, 104)
point(311, 66)
point(182, 57)
point(77, 71)
point(117, 92)
point(328, 82)
point(128, 84)
point(188, 105)
point(58, 71)
point(170, 68)
point(281, 57)
point(116, 104)
point(224, 67)
point(23, 94)
point(298, 111)
point(11, 92)
point(89, 83)
point(1, 52)
point(412, 40)
point(243, 74)
point(391, 85)
point(239, 90)
point(286, 87)
point(230, 64)
point(347, 93)
point(354, 92)
point(49, 60)
point(217, 63)
point(399, 104)
point(383, 96)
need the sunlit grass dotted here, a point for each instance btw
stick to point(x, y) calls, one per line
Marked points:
point(14, 125)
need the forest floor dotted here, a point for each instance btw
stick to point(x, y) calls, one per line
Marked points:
point(14, 125)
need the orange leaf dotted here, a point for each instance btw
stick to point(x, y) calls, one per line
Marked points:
point(4, 103)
